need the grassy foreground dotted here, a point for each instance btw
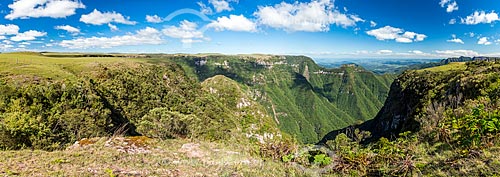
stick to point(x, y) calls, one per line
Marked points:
point(140, 156)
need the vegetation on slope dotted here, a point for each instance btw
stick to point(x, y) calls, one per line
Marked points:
point(67, 99)
point(306, 100)
point(440, 121)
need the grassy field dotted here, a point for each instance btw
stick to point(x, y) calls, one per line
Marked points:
point(34, 64)
point(448, 67)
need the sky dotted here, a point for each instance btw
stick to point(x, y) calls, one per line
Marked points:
point(317, 28)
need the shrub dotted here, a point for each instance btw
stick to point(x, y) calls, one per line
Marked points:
point(164, 124)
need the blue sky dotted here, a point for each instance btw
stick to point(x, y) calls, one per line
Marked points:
point(317, 28)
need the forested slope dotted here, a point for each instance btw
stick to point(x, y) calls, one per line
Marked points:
point(306, 100)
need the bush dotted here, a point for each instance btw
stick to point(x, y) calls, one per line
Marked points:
point(164, 124)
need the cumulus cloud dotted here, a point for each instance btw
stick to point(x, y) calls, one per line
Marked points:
point(397, 34)
point(311, 17)
point(220, 5)
point(450, 5)
point(98, 18)
point(153, 19)
point(480, 17)
point(28, 35)
point(146, 36)
point(68, 28)
point(187, 31)
point(483, 41)
point(204, 9)
point(233, 23)
point(25, 9)
point(442, 3)
point(9, 29)
point(456, 40)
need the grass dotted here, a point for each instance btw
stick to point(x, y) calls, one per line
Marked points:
point(448, 67)
point(34, 64)
point(173, 157)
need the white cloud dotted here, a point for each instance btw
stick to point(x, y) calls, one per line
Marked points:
point(146, 36)
point(7, 42)
point(113, 27)
point(5, 46)
point(99, 18)
point(312, 17)
point(356, 18)
point(483, 41)
point(442, 3)
point(450, 6)
point(420, 37)
point(187, 31)
point(384, 52)
point(25, 9)
point(480, 17)
point(28, 35)
point(456, 53)
point(68, 28)
point(385, 33)
point(404, 40)
point(153, 19)
point(233, 23)
point(452, 21)
point(204, 9)
point(471, 34)
point(220, 5)
point(397, 34)
point(9, 29)
point(373, 24)
point(418, 52)
point(455, 40)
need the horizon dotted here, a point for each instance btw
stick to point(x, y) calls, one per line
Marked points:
point(316, 28)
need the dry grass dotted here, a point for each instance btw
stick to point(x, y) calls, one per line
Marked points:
point(110, 156)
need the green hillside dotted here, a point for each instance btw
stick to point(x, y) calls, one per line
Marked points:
point(46, 102)
point(306, 100)
point(441, 121)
